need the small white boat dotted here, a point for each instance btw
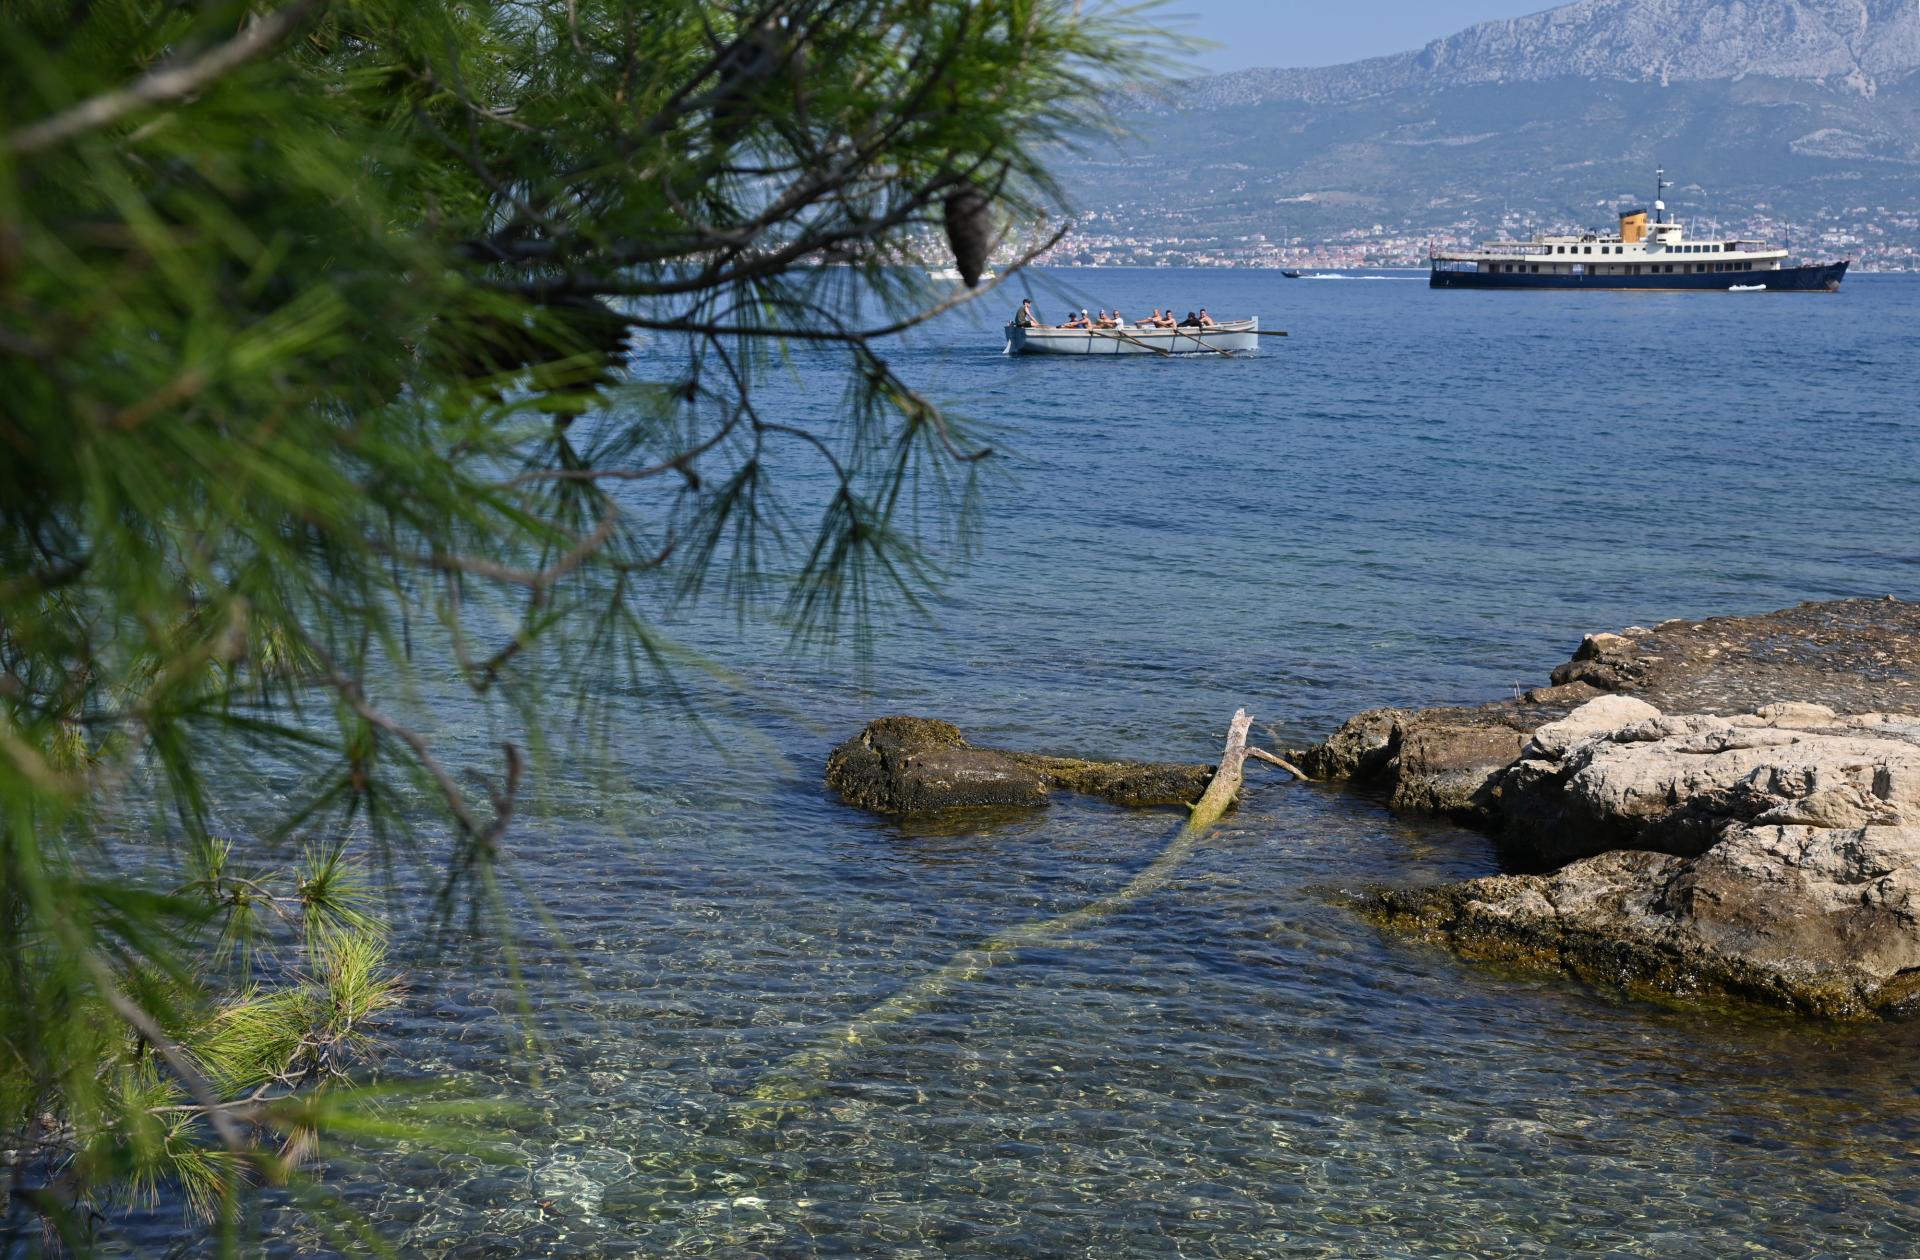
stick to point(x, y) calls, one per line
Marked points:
point(1229, 337)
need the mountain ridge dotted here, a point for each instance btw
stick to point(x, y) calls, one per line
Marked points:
point(1799, 117)
point(1858, 44)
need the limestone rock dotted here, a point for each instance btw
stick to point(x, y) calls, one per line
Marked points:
point(1819, 921)
point(1432, 760)
point(1672, 784)
point(1596, 717)
point(1790, 667)
point(1359, 751)
point(1728, 808)
point(1450, 767)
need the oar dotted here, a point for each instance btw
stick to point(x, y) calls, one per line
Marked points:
point(1114, 332)
point(1195, 338)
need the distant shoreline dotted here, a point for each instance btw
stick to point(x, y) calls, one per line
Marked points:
point(1064, 266)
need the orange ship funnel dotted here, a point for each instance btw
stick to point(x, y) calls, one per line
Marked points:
point(1633, 226)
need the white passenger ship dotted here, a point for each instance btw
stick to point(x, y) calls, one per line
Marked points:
point(1643, 254)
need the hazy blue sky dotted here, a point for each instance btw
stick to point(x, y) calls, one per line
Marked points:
point(1325, 32)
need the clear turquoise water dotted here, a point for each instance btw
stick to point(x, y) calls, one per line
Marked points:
point(1417, 498)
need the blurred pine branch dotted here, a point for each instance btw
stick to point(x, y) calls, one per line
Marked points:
point(316, 363)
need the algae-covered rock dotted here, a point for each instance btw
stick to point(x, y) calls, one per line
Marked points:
point(1138, 784)
point(913, 765)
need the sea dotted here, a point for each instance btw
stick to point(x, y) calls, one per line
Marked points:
point(1414, 498)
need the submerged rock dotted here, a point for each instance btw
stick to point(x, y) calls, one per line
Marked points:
point(912, 765)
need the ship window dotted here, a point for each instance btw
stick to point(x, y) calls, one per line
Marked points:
point(1589, 249)
point(1536, 269)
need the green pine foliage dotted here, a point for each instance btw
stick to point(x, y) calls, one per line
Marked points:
point(316, 320)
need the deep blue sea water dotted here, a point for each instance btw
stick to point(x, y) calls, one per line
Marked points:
point(1416, 498)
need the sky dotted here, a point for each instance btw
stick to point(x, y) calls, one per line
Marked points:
point(1319, 33)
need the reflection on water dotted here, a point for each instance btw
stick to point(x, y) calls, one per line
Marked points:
point(1403, 504)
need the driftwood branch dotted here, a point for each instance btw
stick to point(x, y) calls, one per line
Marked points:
point(1220, 793)
point(164, 83)
point(1282, 762)
point(802, 1075)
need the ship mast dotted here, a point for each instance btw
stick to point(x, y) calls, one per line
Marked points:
point(1660, 186)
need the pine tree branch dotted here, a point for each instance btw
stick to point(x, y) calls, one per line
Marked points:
point(161, 84)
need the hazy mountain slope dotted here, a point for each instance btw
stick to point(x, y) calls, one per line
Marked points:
point(1856, 42)
point(1799, 105)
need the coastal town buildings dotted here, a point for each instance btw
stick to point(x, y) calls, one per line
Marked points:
point(1877, 238)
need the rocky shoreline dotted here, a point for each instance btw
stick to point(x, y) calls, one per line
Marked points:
point(1719, 809)
point(1726, 809)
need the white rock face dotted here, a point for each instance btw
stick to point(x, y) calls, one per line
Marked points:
point(1592, 719)
point(1809, 897)
point(1791, 764)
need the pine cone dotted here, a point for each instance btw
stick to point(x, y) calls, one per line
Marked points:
point(969, 231)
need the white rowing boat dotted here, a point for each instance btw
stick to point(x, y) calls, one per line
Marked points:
point(1233, 336)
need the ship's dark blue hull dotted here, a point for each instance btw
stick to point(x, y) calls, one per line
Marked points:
point(1817, 278)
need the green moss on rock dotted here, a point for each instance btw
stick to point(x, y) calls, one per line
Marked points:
point(915, 766)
